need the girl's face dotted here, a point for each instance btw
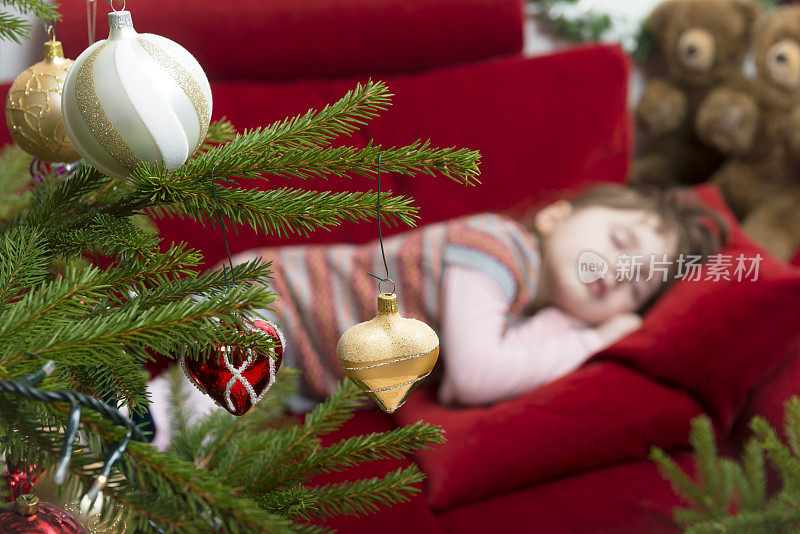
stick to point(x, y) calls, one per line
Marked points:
point(575, 243)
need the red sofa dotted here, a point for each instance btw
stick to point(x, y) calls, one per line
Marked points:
point(569, 457)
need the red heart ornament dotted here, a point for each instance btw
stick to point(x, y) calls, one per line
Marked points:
point(20, 478)
point(237, 379)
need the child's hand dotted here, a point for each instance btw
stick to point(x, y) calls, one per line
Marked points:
point(618, 326)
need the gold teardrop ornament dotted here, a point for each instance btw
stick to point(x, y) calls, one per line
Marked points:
point(388, 356)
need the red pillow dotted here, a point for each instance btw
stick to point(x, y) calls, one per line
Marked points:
point(600, 414)
point(718, 340)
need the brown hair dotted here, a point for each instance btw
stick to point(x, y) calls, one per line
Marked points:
point(700, 231)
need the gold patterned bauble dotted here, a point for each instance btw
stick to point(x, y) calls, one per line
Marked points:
point(133, 98)
point(388, 356)
point(33, 107)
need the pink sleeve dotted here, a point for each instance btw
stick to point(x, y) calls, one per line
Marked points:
point(486, 360)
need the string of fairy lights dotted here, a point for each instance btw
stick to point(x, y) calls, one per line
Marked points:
point(25, 387)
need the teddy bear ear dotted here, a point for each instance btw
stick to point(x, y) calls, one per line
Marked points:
point(660, 16)
point(750, 9)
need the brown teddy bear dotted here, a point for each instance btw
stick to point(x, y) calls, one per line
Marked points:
point(703, 43)
point(759, 127)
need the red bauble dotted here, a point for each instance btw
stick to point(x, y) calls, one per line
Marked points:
point(237, 379)
point(40, 518)
point(20, 478)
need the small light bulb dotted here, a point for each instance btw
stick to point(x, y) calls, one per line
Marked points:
point(98, 485)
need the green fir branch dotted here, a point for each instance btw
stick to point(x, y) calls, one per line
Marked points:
point(754, 488)
point(741, 486)
point(348, 453)
point(278, 211)
point(220, 131)
point(459, 165)
point(681, 484)
point(247, 274)
point(226, 474)
point(792, 424)
point(779, 454)
point(362, 497)
point(42, 9)
point(336, 410)
point(15, 187)
point(312, 129)
point(16, 27)
point(25, 262)
point(765, 522)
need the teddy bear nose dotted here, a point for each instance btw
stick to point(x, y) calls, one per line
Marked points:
point(781, 58)
point(691, 50)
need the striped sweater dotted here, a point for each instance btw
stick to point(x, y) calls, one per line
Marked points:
point(324, 289)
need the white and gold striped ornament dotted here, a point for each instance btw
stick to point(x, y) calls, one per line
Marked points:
point(135, 97)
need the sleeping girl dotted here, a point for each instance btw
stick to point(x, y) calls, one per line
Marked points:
point(509, 299)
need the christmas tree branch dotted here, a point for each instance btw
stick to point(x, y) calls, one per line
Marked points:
point(15, 190)
point(350, 452)
point(713, 480)
point(156, 270)
point(362, 496)
point(792, 425)
point(335, 411)
point(326, 417)
point(205, 283)
point(26, 263)
point(184, 490)
point(280, 211)
point(220, 131)
point(59, 205)
point(680, 482)
point(779, 454)
point(740, 485)
point(754, 486)
point(459, 165)
point(18, 29)
point(111, 235)
point(176, 327)
point(222, 474)
point(48, 299)
point(312, 129)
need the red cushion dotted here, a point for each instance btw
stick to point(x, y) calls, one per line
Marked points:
point(718, 340)
point(768, 399)
point(276, 39)
point(629, 498)
point(600, 414)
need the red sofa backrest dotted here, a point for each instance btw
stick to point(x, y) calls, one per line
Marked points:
point(281, 39)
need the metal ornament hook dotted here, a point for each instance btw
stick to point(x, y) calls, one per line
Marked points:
point(224, 237)
point(115, 9)
point(386, 280)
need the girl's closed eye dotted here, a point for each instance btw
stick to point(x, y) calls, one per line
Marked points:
point(622, 237)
